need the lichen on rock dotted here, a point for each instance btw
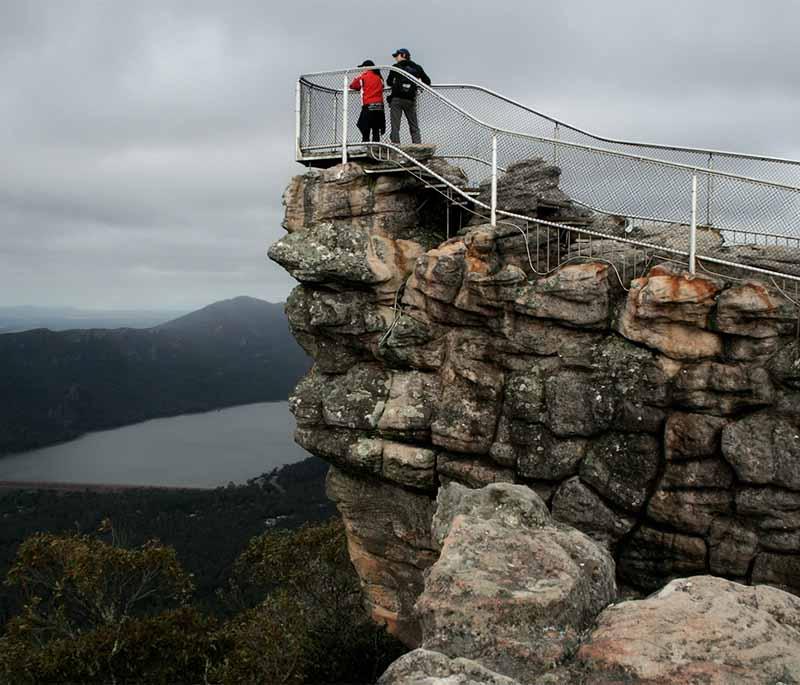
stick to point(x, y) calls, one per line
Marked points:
point(656, 412)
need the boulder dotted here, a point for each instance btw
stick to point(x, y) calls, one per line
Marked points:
point(424, 667)
point(698, 630)
point(510, 505)
point(511, 589)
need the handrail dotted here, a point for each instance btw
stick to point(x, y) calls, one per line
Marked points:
point(753, 210)
point(555, 141)
point(575, 229)
point(618, 141)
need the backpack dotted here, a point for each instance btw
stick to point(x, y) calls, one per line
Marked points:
point(402, 87)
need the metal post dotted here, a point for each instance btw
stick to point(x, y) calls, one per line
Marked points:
point(344, 119)
point(555, 146)
point(336, 117)
point(494, 180)
point(305, 109)
point(693, 228)
point(298, 151)
point(709, 188)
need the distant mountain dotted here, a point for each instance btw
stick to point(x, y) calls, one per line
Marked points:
point(25, 318)
point(56, 385)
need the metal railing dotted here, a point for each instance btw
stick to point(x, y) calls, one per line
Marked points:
point(762, 213)
point(499, 110)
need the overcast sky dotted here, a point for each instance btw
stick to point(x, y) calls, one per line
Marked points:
point(145, 144)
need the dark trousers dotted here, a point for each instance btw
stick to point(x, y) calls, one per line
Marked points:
point(397, 108)
point(371, 123)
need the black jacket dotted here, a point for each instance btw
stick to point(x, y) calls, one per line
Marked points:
point(403, 87)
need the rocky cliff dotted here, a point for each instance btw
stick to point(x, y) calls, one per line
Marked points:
point(656, 412)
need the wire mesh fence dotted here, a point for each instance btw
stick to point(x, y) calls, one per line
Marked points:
point(751, 201)
point(501, 112)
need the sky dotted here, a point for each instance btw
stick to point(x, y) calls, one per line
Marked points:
point(145, 145)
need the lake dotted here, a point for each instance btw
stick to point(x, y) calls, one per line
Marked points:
point(199, 450)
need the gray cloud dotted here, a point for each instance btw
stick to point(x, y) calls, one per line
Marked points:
point(146, 145)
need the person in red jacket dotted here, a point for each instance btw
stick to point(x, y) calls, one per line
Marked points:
point(372, 120)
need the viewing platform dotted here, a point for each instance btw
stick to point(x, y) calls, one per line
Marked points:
point(751, 201)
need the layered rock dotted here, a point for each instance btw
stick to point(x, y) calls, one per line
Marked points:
point(517, 598)
point(655, 411)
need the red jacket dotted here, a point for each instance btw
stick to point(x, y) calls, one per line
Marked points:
point(371, 87)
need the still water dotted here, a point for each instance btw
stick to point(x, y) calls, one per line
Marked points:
point(198, 450)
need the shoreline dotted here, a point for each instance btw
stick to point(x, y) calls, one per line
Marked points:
point(80, 436)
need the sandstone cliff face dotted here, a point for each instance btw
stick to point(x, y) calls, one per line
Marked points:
point(659, 414)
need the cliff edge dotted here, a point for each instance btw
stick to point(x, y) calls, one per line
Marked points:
point(657, 413)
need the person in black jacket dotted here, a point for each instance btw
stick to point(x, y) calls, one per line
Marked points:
point(403, 98)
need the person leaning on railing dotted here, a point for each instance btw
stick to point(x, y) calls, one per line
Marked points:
point(372, 120)
point(403, 98)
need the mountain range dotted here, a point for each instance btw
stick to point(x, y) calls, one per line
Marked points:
point(57, 385)
point(25, 318)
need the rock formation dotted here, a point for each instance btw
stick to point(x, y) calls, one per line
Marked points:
point(511, 589)
point(656, 412)
point(516, 595)
point(698, 630)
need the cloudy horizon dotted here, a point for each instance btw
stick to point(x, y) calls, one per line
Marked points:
point(147, 144)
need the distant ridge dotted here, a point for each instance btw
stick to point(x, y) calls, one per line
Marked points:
point(240, 315)
point(55, 386)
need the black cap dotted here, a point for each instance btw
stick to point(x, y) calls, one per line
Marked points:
point(401, 51)
point(367, 63)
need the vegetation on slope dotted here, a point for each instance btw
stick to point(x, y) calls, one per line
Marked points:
point(118, 604)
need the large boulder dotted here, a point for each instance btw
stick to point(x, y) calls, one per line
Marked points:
point(696, 631)
point(512, 589)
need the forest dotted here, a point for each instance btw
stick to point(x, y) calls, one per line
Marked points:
point(242, 584)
